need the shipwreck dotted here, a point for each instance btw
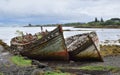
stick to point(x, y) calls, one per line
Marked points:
point(53, 46)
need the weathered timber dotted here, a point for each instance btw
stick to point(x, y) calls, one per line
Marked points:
point(49, 47)
point(52, 46)
point(84, 47)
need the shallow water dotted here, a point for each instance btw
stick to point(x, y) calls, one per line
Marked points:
point(6, 33)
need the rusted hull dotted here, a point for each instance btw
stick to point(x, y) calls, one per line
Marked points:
point(50, 47)
point(50, 50)
point(53, 47)
point(87, 50)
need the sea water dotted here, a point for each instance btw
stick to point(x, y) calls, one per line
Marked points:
point(104, 35)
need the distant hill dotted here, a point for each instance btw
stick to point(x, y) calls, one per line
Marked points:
point(111, 23)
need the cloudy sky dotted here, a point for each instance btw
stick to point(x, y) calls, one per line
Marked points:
point(15, 12)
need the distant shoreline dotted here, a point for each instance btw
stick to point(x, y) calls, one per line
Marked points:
point(108, 27)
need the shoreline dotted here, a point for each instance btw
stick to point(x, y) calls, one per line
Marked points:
point(78, 27)
point(110, 54)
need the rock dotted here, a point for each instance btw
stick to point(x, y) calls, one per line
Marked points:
point(38, 72)
point(4, 46)
point(40, 65)
point(1, 48)
point(72, 62)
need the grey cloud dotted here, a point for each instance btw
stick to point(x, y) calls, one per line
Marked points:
point(57, 10)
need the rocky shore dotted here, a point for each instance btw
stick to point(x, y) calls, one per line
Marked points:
point(7, 67)
point(111, 56)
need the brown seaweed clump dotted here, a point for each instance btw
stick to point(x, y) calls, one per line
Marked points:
point(4, 45)
point(109, 50)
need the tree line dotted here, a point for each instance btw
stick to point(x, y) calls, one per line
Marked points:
point(113, 22)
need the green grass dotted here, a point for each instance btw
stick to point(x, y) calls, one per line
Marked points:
point(56, 73)
point(1, 73)
point(20, 61)
point(108, 68)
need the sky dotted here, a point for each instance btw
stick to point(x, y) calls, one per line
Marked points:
point(22, 12)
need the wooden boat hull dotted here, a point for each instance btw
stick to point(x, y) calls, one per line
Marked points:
point(50, 47)
point(50, 50)
point(86, 48)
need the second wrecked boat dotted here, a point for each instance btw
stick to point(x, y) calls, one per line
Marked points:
point(52, 46)
point(84, 47)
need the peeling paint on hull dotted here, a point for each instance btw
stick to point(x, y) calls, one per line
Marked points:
point(87, 50)
point(54, 47)
point(50, 47)
point(50, 50)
